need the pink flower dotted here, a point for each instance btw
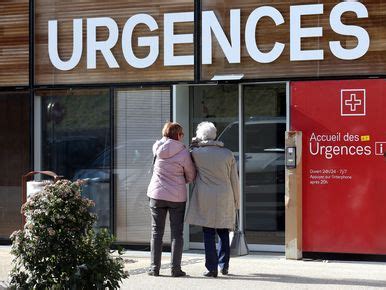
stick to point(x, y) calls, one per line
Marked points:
point(51, 231)
point(14, 234)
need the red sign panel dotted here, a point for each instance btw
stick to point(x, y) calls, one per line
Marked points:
point(344, 164)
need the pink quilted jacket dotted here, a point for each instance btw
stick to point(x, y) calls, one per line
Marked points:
point(173, 168)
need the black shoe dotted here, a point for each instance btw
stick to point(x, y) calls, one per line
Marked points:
point(178, 273)
point(153, 272)
point(224, 271)
point(210, 274)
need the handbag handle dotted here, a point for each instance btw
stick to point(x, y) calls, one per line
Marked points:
point(49, 173)
point(237, 225)
point(151, 169)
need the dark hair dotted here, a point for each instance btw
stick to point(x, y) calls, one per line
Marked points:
point(172, 130)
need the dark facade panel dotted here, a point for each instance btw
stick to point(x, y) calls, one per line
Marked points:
point(14, 156)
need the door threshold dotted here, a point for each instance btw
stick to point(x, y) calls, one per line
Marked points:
point(252, 247)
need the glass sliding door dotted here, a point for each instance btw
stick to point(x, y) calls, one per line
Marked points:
point(140, 114)
point(263, 136)
point(261, 109)
point(73, 140)
point(217, 104)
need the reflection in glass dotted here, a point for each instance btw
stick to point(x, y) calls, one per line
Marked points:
point(76, 141)
point(217, 104)
point(264, 130)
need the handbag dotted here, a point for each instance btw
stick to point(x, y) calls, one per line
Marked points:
point(238, 243)
point(29, 188)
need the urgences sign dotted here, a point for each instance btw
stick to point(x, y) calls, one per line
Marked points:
point(210, 25)
point(344, 164)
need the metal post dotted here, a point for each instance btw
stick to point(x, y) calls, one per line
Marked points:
point(241, 156)
point(293, 199)
point(181, 115)
point(197, 41)
point(112, 161)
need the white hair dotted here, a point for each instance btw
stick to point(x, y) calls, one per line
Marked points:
point(206, 131)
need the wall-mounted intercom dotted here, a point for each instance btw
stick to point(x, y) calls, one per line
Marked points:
point(290, 157)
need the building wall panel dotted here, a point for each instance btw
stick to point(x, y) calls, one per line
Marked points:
point(14, 42)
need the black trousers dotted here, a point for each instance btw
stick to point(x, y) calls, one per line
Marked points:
point(159, 209)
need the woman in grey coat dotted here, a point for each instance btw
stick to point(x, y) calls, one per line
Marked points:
point(215, 196)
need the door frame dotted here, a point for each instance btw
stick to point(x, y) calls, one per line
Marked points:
point(255, 247)
point(181, 102)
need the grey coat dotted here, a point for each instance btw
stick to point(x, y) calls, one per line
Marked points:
point(216, 194)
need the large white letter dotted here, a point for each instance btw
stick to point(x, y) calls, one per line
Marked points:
point(297, 33)
point(250, 34)
point(231, 49)
point(170, 38)
point(76, 45)
point(150, 41)
point(357, 31)
point(104, 46)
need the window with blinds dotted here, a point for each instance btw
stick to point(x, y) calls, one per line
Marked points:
point(139, 117)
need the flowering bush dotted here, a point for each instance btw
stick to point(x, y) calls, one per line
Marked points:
point(58, 248)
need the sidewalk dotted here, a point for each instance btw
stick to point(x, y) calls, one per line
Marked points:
point(255, 271)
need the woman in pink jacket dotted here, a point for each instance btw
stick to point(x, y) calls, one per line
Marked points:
point(173, 169)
